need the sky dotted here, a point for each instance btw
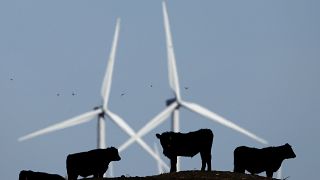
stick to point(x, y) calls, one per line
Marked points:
point(253, 62)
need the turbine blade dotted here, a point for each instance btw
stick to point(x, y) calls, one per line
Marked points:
point(68, 123)
point(124, 126)
point(172, 67)
point(157, 152)
point(121, 123)
point(152, 153)
point(150, 125)
point(106, 86)
point(217, 118)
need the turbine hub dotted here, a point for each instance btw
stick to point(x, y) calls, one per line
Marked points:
point(172, 100)
point(102, 113)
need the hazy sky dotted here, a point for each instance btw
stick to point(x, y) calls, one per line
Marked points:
point(253, 62)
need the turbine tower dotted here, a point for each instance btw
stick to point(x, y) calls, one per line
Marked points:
point(100, 112)
point(177, 102)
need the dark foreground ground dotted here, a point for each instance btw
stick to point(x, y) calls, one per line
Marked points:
point(186, 175)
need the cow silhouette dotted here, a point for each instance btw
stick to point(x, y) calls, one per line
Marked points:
point(31, 175)
point(94, 162)
point(187, 144)
point(255, 160)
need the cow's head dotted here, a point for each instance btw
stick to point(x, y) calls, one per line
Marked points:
point(288, 151)
point(167, 143)
point(113, 154)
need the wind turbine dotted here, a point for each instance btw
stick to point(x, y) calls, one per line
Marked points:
point(101, 111)
point(174, 104)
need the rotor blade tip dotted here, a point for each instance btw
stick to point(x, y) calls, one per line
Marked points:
point(21, 139)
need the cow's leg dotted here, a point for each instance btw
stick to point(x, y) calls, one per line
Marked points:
point(206, 160)
point(239, 170)
point(209, 162)
point(269, 173)
point(72, 177)
point(101, 174)
point(238, 164)
point(98, 175)
point(173, 161)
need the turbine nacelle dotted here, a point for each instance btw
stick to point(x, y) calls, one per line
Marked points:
point(103, 113)
point(171, 101)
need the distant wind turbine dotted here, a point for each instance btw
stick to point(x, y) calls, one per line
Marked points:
point(175, 103)
point(101, 112)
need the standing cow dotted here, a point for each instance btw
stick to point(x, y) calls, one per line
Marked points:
point(31, 175)
point(258, 160)
point(187, 144)
point(94, 162)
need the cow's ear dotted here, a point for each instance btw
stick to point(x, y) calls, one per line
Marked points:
point(158, 136)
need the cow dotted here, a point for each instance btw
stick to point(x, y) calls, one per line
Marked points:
point(31, 175)
point(255, 160)
point(94, 162)
point(187, 144)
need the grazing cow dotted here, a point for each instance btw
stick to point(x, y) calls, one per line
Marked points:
point(258, 160)
point(94, 162)
point(30, 175)
point(187, 144)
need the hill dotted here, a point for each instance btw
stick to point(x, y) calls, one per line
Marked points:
point(187, 175)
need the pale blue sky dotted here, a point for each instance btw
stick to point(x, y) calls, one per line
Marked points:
point(253, 62)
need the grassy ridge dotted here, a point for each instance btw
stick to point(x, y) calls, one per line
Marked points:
point(188, 175)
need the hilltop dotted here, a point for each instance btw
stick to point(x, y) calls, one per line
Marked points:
point(187, 175)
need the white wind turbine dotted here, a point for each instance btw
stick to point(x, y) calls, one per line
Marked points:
point(100, 112)
point(174, 84)
point(177, 102)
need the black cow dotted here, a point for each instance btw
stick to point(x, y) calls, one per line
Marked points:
point(187, 144)
point(94, 162)
point(258, 160)
point(31, 175)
